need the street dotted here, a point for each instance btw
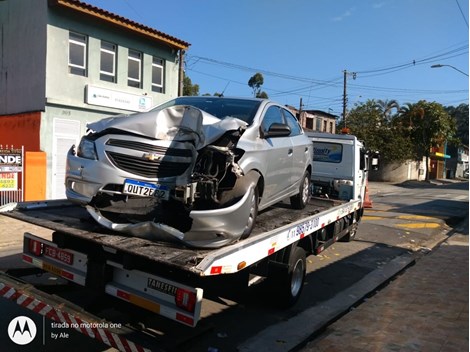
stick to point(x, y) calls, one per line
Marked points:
point(405, 222)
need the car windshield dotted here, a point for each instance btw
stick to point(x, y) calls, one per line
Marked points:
point(243, 109)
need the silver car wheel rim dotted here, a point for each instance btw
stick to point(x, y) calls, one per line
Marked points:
point(252, 211)
point(305, 190)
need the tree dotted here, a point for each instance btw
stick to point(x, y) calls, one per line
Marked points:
point(189, 89)
point(386, 107)
point(460, 114)
point(255, 82)
point(429, 126)
point(368, 122)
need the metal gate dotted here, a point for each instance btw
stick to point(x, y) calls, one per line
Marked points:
point(11, 174)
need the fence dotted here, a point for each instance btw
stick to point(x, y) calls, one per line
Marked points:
point(11, 174)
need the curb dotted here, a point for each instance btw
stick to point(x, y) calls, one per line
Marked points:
point(296, 331)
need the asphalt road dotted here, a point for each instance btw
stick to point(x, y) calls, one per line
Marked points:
point(405, 221)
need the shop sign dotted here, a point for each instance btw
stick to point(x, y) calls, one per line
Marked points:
point(117, 99)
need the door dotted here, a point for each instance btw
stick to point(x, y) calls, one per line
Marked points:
point(278, 152)
point(65, 134)
point(300, 146)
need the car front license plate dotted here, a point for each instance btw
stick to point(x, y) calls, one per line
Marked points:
point(144, 189)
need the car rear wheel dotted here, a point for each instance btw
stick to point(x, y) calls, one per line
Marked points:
point(300, 200)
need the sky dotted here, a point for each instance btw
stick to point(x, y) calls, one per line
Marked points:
point(303, 47)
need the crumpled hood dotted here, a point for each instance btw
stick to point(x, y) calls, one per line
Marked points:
point(177, 123)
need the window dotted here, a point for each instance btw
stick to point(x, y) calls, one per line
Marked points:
point(292, 123)
point(327, 152)
point(331, 127)
point(273, 115)
point(157, 75)
point(77, 54)
point(108, 62)
point(324, 125)
point(134, 69)
point(309, 123)
point(318, 126)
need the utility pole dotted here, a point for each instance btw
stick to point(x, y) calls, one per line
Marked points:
point(345, 99)
point(300, 112)
point(345, 96)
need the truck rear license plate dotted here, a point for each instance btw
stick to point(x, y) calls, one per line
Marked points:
point(58, 254)
point(145, 189)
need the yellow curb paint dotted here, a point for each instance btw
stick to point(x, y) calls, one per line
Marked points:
point(417, 217)
point(422, 225)
point(365, 217)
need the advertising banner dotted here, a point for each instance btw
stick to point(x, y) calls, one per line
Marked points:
point(8, 181)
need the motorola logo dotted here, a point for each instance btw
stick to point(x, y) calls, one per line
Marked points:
point(22, 330)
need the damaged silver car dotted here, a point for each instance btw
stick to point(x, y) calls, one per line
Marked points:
point(194, 170)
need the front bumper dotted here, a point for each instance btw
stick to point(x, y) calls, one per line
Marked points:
point(210, 228)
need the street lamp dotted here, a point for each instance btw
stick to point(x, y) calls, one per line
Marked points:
point(455, 68)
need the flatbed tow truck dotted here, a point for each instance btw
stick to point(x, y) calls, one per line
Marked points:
point(170, 280)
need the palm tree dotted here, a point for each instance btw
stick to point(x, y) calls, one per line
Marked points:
point(386, 107)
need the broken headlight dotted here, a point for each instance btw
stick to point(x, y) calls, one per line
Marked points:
point(86, 149)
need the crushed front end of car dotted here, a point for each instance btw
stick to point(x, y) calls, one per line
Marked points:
point(166, 175)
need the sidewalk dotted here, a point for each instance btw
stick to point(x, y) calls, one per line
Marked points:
point(424, 309)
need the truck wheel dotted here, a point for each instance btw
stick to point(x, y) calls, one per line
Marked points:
point(300, 200)
point(250, 224)
point(351, 234)
point(288, 286)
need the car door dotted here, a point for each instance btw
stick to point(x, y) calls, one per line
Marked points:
point(300, 146)
point(277, 155)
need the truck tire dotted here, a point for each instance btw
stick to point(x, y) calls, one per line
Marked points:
point(300, 200)
point(351, 234)
point(288, 286)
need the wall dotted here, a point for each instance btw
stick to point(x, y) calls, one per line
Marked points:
point(23, 55)
point(398, 172)
point(21, 130)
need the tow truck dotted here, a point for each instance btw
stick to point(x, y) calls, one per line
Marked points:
point(169, 279)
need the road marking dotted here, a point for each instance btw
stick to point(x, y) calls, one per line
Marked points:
point(420, 225)
point(412, 217)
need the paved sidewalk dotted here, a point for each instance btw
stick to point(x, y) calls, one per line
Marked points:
point(423, 309)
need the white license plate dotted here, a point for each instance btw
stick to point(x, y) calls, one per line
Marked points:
point(144, 189)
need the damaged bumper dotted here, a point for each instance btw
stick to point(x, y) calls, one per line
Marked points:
point(210, 229)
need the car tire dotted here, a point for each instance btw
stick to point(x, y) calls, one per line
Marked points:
point(300, 200)
point(250, 223)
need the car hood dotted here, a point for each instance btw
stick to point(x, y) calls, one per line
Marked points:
point(177, 123)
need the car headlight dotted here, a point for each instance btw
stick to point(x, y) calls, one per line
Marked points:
point(86, 149)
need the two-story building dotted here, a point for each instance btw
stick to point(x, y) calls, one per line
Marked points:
point(315, 120)
point(65, 63)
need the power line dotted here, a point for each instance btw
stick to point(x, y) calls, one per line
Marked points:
point(463, 15)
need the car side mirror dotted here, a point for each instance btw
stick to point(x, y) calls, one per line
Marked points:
point(277, 130)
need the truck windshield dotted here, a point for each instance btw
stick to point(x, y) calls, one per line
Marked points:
point(243, 109)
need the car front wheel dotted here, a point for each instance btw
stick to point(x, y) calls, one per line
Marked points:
point(250, 223)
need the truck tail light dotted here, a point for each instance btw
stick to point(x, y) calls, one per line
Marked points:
point(35, 247)
point(186, 299)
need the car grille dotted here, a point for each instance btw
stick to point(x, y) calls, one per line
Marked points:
point(147, 168)
point(149, 148)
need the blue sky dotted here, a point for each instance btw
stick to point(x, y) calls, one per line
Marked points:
point(302, 47)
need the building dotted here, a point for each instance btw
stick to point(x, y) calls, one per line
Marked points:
point(315, 120)
point(65, 63)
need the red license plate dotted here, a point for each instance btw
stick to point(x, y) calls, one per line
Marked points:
point(58, 254)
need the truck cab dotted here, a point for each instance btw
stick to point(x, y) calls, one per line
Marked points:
point(341, 165)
